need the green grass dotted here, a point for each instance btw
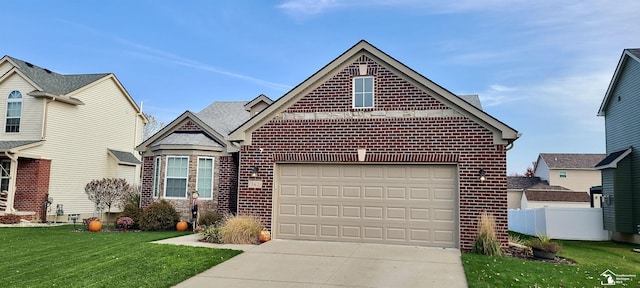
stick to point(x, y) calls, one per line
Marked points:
point(60, 257)
point(592, 259)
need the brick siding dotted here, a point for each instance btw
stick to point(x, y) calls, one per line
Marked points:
point(426, 138)
point(32, 187)
point(224, 185)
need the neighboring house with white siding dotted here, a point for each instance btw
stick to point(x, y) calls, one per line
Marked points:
point(59, 133)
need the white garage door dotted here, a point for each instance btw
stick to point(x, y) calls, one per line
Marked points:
point(398, 204)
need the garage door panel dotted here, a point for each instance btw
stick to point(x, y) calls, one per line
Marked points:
point(373, 192)
point(309, 191)
point(308, 210)
point(351, 192)
point(288, 190)
point(400, 204)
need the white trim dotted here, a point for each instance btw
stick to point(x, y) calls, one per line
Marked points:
point(364, 92)
point(157, 163)
point(213, 165)
point(166, 178)
point(6, 115)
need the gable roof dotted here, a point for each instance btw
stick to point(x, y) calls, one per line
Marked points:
point(52, 82)
point(61, 87)
point(557, 196)
point(627, 55)
point(502, 132)
point(571, 161)
point(260, 98)
point(169, 134)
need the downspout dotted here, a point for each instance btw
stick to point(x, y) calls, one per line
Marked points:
point(45, 109)
point(13, 171)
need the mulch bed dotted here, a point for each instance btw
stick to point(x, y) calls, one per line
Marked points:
point(522, 252)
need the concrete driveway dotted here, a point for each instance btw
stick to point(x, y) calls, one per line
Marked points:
point(292, 263)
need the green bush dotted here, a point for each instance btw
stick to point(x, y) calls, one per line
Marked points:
point(210, 218)
point(133, 212)
point(10, 219)
point(211, 235)
point(242, 229)
point(159, 216)
point(486, 242)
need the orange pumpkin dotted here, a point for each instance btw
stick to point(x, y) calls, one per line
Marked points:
point(182, 226)
point(95, 226)
point(264, 235)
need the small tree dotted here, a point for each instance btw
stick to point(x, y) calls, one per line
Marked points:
point(108, 192)
point(529, 172)
point(151, 127)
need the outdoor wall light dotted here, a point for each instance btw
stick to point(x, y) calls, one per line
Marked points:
point(482, 174)
point(254, 172)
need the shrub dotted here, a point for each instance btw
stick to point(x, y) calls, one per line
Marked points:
point(159, 216)
point(486, 242)
point(241, 229)
point(210, 218)
point(211, 235)
point(124, 222)
point(132, 210)
point(544, 243)
point(10, 219)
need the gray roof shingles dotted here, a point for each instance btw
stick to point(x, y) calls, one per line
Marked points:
point(557, 196)
point(572, 161)
point(54, 83)
point(123, 156)
point(525, 183)
point(224, 117)
point(8, 145)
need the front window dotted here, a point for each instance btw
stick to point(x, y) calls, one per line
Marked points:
point(14, 112)
point(5, 167)
point(205, 177)
point(363, 92)
point(156, 177)
point(177, 172)
point(563, 174)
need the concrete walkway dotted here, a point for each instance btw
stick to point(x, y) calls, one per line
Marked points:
point(307, 264)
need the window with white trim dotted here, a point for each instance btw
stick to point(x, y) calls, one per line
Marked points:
point(563, 174)
point(204, 180)
point(14, 112)
point(156, 176)
point(363, 92)
point(176, 176)
point(5, 168)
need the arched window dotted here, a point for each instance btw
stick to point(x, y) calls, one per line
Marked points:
point(14, 112)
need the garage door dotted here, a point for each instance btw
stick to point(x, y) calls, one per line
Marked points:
point(398, 204)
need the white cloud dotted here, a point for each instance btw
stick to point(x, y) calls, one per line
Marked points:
point(299, 8)
point(159, 55)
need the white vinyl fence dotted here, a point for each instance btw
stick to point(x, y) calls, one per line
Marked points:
point(560, 223)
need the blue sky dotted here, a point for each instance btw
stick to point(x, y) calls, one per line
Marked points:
point(541, 67)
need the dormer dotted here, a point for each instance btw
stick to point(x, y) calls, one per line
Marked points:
point(258, 104)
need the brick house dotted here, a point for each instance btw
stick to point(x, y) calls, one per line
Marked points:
point(366, 150)
point(53, 123)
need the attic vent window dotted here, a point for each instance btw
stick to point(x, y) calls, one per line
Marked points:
point(363, 92)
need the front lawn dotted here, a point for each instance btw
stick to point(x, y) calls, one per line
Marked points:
point(593, 258)
point(60, 257)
